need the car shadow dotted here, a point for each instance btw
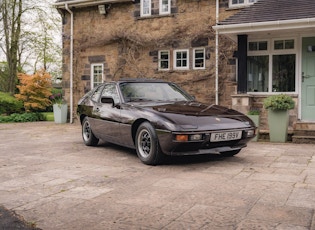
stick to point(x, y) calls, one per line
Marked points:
point(170, 160)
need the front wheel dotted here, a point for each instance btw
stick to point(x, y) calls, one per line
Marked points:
point(147, 145)
point(87, 134)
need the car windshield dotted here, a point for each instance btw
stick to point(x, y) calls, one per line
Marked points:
point(152, 91)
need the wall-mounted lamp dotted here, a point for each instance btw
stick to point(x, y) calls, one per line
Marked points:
point(311, 48)
point(101, 9)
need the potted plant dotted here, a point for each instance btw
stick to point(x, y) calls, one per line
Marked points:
point(60, 108)
point(278, 116)
point(253, 114)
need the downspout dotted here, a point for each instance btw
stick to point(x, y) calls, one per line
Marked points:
point(217, 55)
point(71, 62)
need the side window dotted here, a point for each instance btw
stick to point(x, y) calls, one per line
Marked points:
point(164, 60)
point(96, 75)
point(111, 91)
point(145, 7)
point(165, 6)
point(181, 59)
point(96, 94)
point(199, 58)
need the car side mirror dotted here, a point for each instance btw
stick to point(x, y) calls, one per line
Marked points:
point(108, 100)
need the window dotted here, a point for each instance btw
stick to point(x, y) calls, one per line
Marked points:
point(258, 70)
point(238, 3)
point(181, 59)
point(258, 46)
point(164, 60)
point(111, 91)
point(271, 69)
point(165, 6)
point(96, 75)
point(96, 94)
point(199, 58)
point(145, 7)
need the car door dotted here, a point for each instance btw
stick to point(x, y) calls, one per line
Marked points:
point(107, 115)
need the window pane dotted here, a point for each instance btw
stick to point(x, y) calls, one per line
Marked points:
point(283, 73)
point(252, 46)
point(181, 59)
point(165, 6)
point(278, 45)
point(257, 79)
point(164, 60)
point(263, 45)
point(199, 58)
point(289, 44)
point(97, 75)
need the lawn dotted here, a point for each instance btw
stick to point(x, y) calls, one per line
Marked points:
point(49, 116)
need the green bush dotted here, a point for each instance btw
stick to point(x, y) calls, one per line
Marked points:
point(279, 102)
point(23, 117)
point(9, 104)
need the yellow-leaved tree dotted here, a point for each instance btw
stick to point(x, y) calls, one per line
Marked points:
point(34, 90)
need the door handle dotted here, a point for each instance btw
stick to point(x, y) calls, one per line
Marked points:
point(305, 76)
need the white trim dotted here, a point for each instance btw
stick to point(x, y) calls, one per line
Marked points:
point(161, 7)
point(175, 59)
point(141, 8)
point(85, 3)
point(204, 58)
point(240, 5)
point(234, 29)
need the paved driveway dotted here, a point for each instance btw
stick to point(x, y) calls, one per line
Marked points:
point(48, 176)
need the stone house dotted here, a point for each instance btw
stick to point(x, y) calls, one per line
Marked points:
point(229, 52)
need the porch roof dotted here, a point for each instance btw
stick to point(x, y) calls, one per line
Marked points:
point(270, 15)
point(85, 3)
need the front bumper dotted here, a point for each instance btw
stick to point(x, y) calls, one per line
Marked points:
point(171, 147)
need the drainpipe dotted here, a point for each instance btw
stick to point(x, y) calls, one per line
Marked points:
point(217, 55)
point(71, 62)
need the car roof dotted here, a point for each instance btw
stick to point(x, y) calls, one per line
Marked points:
point(143, 80)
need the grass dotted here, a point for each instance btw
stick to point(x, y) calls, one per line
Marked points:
point(49, 116)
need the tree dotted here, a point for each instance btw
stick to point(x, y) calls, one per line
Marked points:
point(27, 38)
point(11, 12)
point(35, 90)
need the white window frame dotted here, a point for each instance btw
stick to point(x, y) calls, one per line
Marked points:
point(175, 59)
point(203, 58)
point(246, 3)
point(168, 11)
point(93, 66)
point(142, 13)
point(271, 52)
point(160, 59)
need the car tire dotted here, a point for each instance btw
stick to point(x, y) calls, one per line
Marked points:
point(89, 138)
point(147, 145)
point(230, 153)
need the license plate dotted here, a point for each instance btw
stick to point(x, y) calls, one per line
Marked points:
point(226, 136)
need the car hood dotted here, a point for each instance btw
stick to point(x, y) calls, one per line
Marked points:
point(195, 115)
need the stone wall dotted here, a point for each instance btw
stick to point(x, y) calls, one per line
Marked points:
point(128, 47)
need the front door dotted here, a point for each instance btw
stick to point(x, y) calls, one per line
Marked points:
point(308, 79)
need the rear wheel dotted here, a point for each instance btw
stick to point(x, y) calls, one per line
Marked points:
point(87, 134)
point(147, 145)
point(230, 153)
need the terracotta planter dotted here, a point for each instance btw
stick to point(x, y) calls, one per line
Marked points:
point(278, 121)
point(60, 113)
